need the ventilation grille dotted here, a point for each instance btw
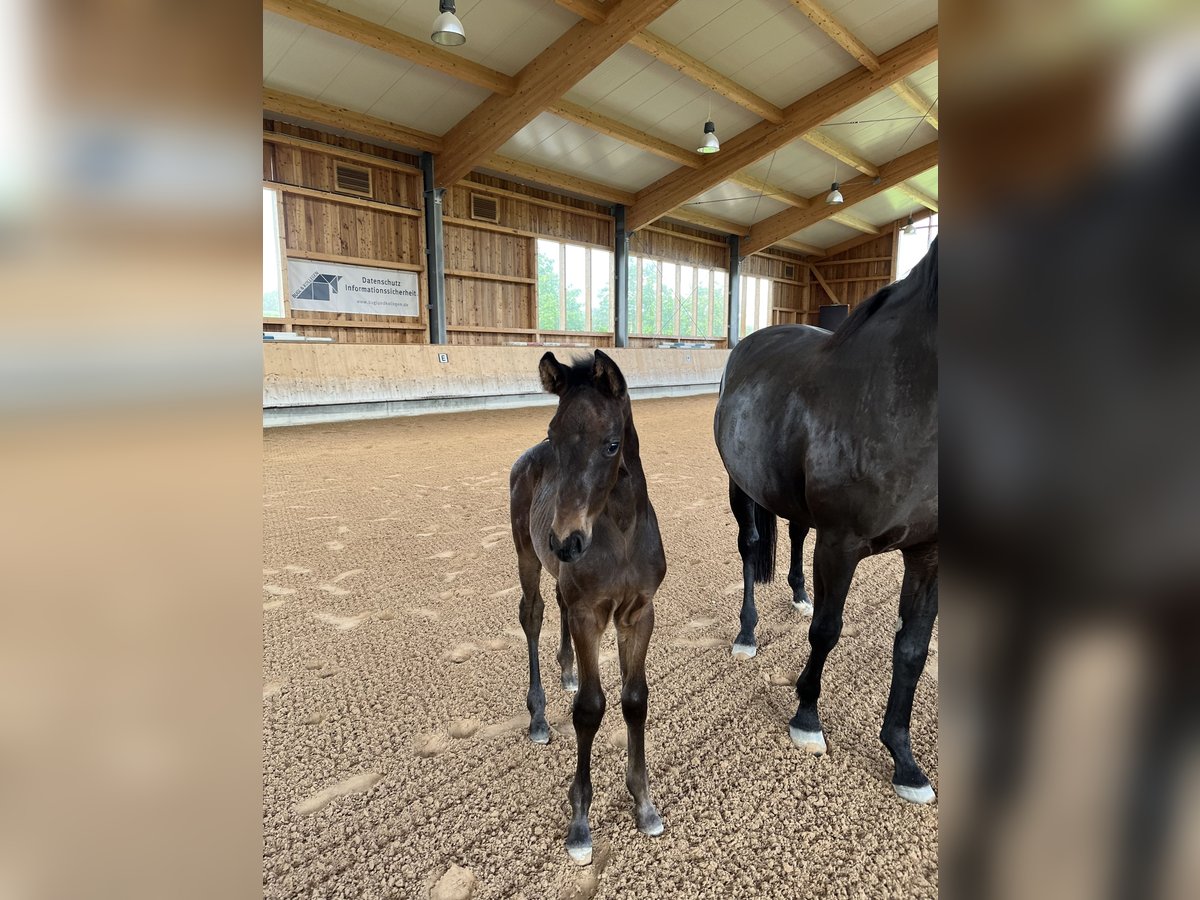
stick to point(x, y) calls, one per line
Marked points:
point(789, 271)
point(485, 208)
point(354, 180)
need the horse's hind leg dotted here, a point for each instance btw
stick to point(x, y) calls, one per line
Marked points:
point(586, 712)
point(531, 623)
point(743, 509)
point(834, 561)
point(566, 653)
point(918, 609)
point(632, 641)
point(801, 602)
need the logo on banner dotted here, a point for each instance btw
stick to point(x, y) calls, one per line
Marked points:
point(319, 286)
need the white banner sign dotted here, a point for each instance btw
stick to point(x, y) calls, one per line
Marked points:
point(335, 287)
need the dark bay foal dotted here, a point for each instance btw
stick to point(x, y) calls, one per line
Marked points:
point(580, 510)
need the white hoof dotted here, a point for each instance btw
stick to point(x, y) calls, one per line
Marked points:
point(745, 650)
point(805, 609)
point(540, 739)
point(921, 795)
point(653, 830)
point(809, 741)
point(581, 856)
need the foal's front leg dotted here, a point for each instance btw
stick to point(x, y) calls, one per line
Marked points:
point(566, 655)
point(586, 712)
point(531, 623)
point(632, 642)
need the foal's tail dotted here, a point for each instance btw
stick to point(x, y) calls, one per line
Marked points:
point(763, 552)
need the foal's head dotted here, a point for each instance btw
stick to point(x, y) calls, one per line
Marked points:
point(588, 436)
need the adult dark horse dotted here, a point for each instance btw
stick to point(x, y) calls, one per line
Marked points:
point(838, 432)
point(580, 510)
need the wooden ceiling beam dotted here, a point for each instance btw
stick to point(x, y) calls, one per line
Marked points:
point(839, 33)
point(919, 196)
point(800, 247)
point(841, 153)
point(542, 176)
point(784, 224)
point(704, 74)
point(296, 107)
point(765, 138)
point(693, 217)
point(543, 81)
point(370, 34)
point(769, 190)
point(627, 133)
point(585, 9)
point(852, 221)
point(916, 101)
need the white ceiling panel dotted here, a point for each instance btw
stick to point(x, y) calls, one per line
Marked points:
point(502, 34)
point(737, 203)
point(799, 168)
point(279, 33)
point(825, 234)
point(312, 61)
point(885, 208)
point(927, 182)
point(427, 100)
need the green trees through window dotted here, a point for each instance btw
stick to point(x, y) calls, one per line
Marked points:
point(574, 287)
point(675, 300)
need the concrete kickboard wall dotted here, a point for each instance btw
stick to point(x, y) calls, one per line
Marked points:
point(305, 383)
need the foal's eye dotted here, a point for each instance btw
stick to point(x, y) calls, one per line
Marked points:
point(612, 448)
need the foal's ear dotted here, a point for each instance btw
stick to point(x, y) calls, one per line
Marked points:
point(607, 377)
point(553, 374)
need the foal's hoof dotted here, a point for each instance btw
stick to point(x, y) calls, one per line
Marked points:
point(570, 683)
point(539, 733)
point(581, 856)
point(920, 795)
point(748, 651)
point(804, 607)
point(809, 741)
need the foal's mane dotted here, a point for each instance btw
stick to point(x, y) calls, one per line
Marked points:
point(919, 287)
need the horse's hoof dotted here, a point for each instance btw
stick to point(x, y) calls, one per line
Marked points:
point(920, 795)
point(539, 734)
point(581, 856)
point(809, 741)
point(570, 683)
point(804, 607)
point(651, 825)
point(749, 651)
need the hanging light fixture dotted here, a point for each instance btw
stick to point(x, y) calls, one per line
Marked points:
point(834, 195)
point(909, 228)
point(447, 29)
point(710, 144)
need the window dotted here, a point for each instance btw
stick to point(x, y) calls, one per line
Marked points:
point(574, 287)
point(756, 303)
point(675, 300)
point(911, 248)
point(272, 264)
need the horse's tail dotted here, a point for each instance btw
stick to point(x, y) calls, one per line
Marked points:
point(763, 554)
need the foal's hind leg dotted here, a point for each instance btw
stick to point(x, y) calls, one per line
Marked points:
point(742, 506)
point(566, 654)
point(834, 561)
point(801, 602)
point(918, 609)
point(531, 623)
point(632, 641)
point(586, 712)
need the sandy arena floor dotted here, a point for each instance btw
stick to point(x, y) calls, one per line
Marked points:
point(395, 673)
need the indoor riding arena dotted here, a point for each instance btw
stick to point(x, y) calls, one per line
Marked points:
point(451, 193)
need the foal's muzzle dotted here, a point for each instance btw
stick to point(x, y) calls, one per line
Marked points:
point(570, 549)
